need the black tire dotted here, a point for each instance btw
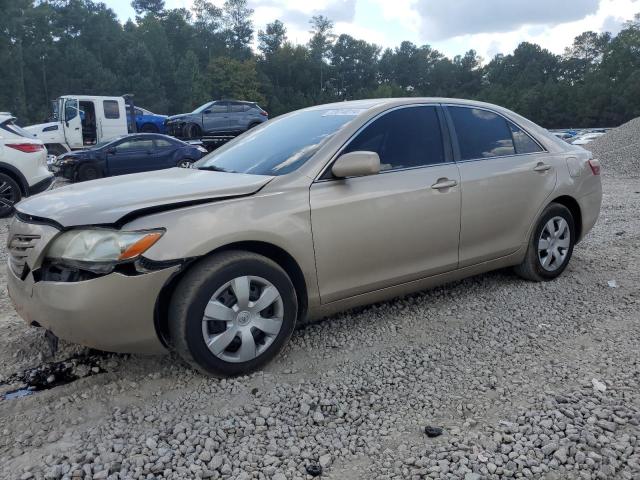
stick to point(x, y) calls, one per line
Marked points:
point(88, 172)
point(149, 128)
point(10, 194)
point(193, 293)
point(185, 163)
point(192, 131)
point(531, 267)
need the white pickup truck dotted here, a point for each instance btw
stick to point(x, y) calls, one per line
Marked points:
point(81, 121)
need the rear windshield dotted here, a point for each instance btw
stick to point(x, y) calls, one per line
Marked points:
point(281, 145)
point(10, 126)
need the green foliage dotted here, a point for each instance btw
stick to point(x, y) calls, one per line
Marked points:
point(173, 60)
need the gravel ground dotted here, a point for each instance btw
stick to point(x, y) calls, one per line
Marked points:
point(619, 149)
point(526, 380)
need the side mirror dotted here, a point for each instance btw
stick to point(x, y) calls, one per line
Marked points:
point(356, 164)
point(207, 112)
point(112, 150)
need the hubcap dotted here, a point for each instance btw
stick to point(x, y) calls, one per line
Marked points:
point(242, 319)
point(554, 243)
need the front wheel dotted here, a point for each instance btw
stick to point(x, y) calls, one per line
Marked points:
point(10, 194)
point(232, 313)
point(192, 131)
point(88, 172)
point(550, 246)
point(185, 163)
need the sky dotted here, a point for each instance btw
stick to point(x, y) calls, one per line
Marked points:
point(451, 26)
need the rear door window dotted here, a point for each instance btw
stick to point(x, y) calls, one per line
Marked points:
point(403, 138)
point(238, 107)
point(481, 133)
point(131, 146)
point(522, 141)
point(162, 143)
point(111, 109)
point(219, 108)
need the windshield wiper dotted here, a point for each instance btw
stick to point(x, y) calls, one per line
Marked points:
point(213, 168)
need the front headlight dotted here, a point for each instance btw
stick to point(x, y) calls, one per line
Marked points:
point(101, 246)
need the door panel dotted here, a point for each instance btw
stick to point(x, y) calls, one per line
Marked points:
point(217, 119)
point(72, 123)
point(506, 178)
point(500, 200)
point(112, 118)
point(132, 156)
point(381, 230)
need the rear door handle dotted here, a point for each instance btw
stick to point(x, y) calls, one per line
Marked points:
point(542, 167)
point(443, 183)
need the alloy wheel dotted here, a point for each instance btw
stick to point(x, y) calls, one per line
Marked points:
point(242, 319)
point(554, 243)
point(8, 196)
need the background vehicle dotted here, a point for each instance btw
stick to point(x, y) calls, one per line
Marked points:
point(220, 117)
point(319, 210)
point(133, 153)
point(23, 164)
point(148, 122)
point(81, 121)
point(586, 138)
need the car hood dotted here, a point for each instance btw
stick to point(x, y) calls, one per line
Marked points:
point(177, 117)
point(109, 200)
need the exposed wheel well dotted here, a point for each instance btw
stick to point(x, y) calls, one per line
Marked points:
point(574, 208)
point(277, 254)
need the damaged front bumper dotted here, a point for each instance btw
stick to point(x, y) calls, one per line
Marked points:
point(113, 312)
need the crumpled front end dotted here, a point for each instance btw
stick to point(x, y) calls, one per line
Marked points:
point(112, 312)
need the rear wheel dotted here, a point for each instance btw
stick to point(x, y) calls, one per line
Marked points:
point(10, 194)
point(550, 246)
point(88, 172)
point(232, 313)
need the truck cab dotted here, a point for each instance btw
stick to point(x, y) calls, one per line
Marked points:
point(81, 121)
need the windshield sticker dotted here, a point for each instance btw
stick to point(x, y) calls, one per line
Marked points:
point(352, 112)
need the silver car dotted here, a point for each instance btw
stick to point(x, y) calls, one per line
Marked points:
point(311, 213)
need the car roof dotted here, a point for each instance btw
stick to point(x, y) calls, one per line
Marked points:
point(366, 104)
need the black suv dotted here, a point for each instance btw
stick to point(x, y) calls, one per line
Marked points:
point(219, 117)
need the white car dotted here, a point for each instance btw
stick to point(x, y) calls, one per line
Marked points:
point(23, 164)
point(587, 138)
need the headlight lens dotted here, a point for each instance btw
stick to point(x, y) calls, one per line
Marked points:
point(102, 245)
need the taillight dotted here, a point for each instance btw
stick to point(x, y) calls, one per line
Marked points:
point(595, 166)
point(26, 147)
point(263, 113)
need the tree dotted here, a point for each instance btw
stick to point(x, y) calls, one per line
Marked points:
point(270, 40)
point(239, 27)
point(322, 38)
point(153, 7)
point(231, 78)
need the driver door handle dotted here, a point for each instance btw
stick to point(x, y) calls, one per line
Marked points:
point(542, 167)
point(443, 183)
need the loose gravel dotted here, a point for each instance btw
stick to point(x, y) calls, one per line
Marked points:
point(619, 149)
point(526, 380)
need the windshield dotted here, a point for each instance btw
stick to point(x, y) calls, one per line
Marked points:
point(202, 108)
point(281, 146)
